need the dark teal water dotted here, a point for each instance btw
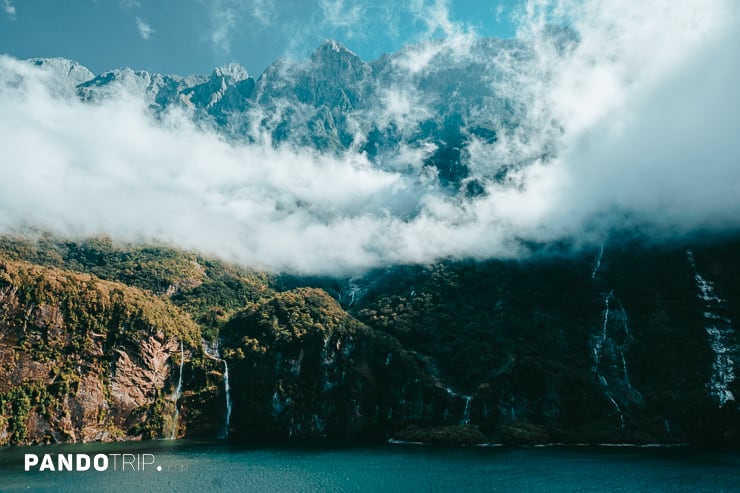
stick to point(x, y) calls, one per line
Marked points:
point(202, 467)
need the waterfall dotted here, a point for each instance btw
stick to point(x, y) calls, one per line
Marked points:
point(721, 337)
point(625, 341)
point(606, 315)
point(596, 354)
point(465, 420)
point(618, 409)
point(212, 352)
point(608, 355)
point(625, 374)
point(328, 358)
point(177, 394)
point(466, 413)
point(351, 294)
point(597, 266)
point(228, 399)
point(609, 396)
point(178, 389)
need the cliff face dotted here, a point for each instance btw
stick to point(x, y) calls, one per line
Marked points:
point(304, 368)
point(83, 359)
point(630, 344)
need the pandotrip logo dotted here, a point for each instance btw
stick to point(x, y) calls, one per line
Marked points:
point(87, 462)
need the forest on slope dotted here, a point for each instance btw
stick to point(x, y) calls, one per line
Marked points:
point(609, 346)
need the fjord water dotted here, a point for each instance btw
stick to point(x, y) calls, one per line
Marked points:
point(219, 466)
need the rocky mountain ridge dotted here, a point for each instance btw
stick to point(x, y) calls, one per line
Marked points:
point(423, 97)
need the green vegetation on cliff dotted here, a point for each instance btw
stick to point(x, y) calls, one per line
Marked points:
point(548, 349)
point(87, 307)
point(70, 344)
point(209, 290)
point(304, 368)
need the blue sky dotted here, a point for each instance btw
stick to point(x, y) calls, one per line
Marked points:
point(193, 36)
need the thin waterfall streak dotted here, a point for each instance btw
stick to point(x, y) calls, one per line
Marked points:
point(466, 412)
point(597, 266)
point(721, 337)
point(177, 394)
point(227, 391)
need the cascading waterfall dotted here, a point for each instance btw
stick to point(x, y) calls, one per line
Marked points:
point(605, 343)
point(228, 399)
point(721, 337)
point(618, 409)
point(627, 338)
point(351, 294)
point(597, 266)
point(605, 347)
point(213, 353)
point(596, 352)
point(609, 396)
point(465, 419)
point(328, 358)
point(177, 394)
point(178, 390)
point(625, 373)
point(466, 413)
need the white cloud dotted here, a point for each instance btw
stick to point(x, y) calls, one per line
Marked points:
point(404, 107)
point(457, 38)
point(336, 14)
point(9, 8)
point(223, 19)
point(263, 11)
point(145, 29)
point(111, 167)
point(640, 114)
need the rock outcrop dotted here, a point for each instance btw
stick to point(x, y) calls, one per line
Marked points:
point(83, 359)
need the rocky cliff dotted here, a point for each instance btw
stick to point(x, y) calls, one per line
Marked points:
point(630, 344)
point(306, 369)
point(83, 359)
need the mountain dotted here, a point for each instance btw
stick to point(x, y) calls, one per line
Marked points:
point(629, 342)
point(423, 97)
point(67, 74)
point(159, 90)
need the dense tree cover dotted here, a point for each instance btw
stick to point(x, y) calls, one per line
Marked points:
point(209, 290)
point(84, 305)
point(58, 328)
point(304, 368)
point(399, 349)
point(520, 335)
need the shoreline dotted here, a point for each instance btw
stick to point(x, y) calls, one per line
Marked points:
point(169, 443)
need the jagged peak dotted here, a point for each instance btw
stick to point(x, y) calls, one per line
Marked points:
point(64, 66)
point(233, 71)
point(331, 47)
point(55, 61)
point(120, 75)
point(127, 71)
